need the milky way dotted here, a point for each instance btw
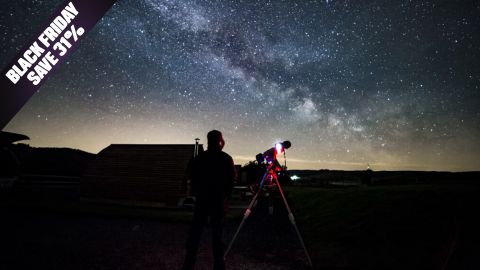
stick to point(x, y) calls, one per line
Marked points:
point(393, 84)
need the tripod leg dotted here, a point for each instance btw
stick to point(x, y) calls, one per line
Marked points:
point(246, 214)
point(292, 220)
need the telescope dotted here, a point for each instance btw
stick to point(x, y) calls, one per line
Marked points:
point(270, 178)
point(270, 156)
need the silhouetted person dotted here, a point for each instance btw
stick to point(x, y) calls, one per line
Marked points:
point(211, 175)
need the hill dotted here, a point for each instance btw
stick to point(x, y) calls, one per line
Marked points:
point(339, 177)
point(51, 161)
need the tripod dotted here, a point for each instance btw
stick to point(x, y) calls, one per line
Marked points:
point(271, 177)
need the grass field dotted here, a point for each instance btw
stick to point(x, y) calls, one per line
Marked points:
point(388, 227)
point(418, 226)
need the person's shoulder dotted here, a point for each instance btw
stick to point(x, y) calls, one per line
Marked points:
point(226, 156)
point(201, 156)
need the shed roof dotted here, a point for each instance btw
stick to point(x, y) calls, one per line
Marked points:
point(9, 137)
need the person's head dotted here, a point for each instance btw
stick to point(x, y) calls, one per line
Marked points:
point(215, 140)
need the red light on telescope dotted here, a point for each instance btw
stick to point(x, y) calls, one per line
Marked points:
point(279, 148)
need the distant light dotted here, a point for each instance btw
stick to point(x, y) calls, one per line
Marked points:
point(294, 177)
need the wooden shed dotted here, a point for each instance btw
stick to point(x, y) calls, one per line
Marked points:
point(138, 174)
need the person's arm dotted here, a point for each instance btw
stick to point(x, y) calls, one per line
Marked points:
point(231, 177)
point(189, 175)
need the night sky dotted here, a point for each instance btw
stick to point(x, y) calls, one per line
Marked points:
point(394, 84)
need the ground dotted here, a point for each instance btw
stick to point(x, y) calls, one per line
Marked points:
point(49, 240)
point(381, 227)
